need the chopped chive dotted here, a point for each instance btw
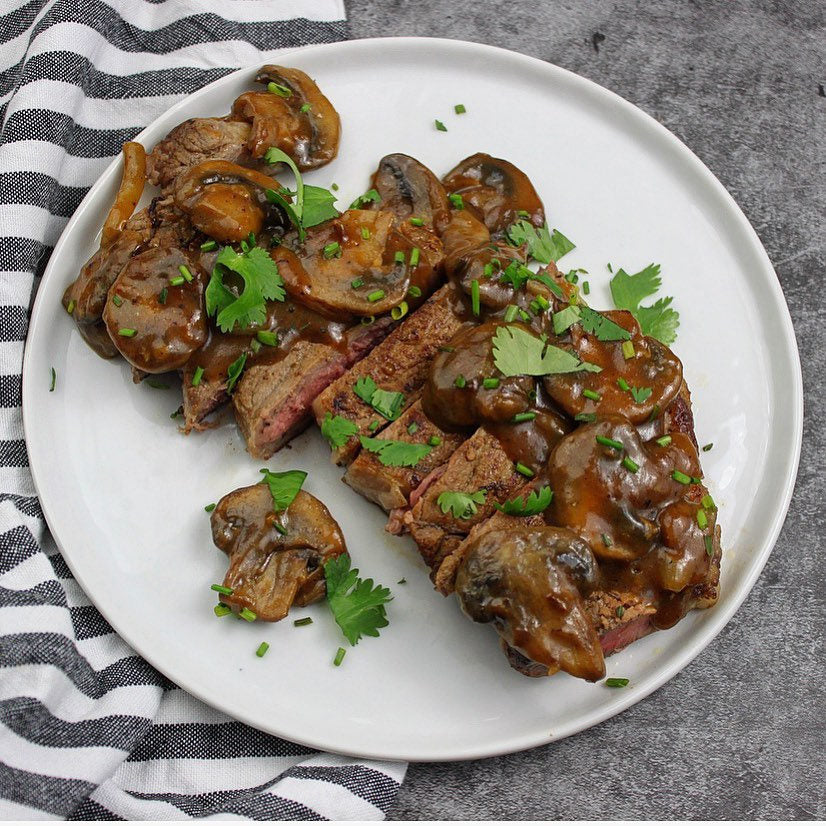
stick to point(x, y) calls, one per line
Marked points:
point(332, 250)
point(127, 332)
point(356, 283)
point(572, 277)
point(278, 89)
point(523, 315)
point(440, 126)
point(542, 302)
point(460, 381)
point(249, 616)
point(664, 441)
point(585, 417)
point(696, 480)
point(474, 296)
point(523, 213)
point(529, 416)
point(414, 257)
point(54, 379)
point(488, 270)
point(456, 200)
point(628, 350)
point(255, 345)
point(679, 476)
point(117, 300)
point(414, 291)
point(267, 337)
point(510, 312)
point(412, 428)
point(175, 413)
point(334, 187)
point(262, 649)
point(534, 307)
point(368, 319)
point(197, 376)
point(162, 296)
point(617, 682)
point(417, 222)
point(222, 610)
point(590, 394)
point(177, 281)
point(376, 295)
point(586, 288)
point(708, 503)
point(402, 581)
point(434, 441)
point(620, 611)
point(305, 108)
point(209, 246)
point(708, 447)
point(158, 385)
point(524, 470)
point(373, 426)
point(630, 464)
point(70, 307)
point(339, 656)
point(210, 507)
point(280, 528)
point(702, 519)
point(399, 311)
point(607, 541)
point(459, 109)
point(623, 384)
point(303, 621)
point(365, 233)
point(222, 589)
point(613, 443)
point(490, 384)
point(709, 545)
point(399, 257)
point(184, 271)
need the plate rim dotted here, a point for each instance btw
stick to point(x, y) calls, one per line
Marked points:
point(718, 619)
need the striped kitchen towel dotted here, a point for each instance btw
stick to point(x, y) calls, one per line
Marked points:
point(88, 730)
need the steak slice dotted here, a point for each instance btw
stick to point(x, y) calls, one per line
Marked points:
point(480, 462)
point(390, 487)
point(194, 141)
point(274, 396)
point(400, 363)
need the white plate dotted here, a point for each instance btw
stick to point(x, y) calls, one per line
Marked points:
point(123, 491)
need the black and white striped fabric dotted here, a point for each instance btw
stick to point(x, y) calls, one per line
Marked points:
point(88, 730)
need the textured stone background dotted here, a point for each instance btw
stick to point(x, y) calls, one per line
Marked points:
point(740, 732)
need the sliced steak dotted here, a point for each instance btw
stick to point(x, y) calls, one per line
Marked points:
point(399, 364)
point(390, 487)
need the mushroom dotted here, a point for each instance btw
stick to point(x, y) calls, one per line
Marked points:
point(129, 192)
point(529, 582)
point(227, 201)
point(293, 115)
point(269, 570)
point(497, 192)
point(358, 264)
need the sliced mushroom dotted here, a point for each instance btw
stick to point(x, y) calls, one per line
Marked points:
point(529, 582)
point(227, 201)
point(609, 486)
point(269, 570)
point(295, 117)
point(636, 387)
point(496, 191)
point(408, 189)
point(157, 326)
point(358, 264)
point(129, 192)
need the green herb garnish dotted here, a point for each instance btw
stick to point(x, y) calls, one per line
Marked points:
point(516, 352)
point(337, 430)
point(234, 371)
point(658, 320)
point(461, 505)
point(394, 453)
point(357, 605)
point(284, 486)
point(543, 245)
point(537, 501)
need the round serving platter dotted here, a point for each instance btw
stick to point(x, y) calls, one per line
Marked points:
point(124, 492)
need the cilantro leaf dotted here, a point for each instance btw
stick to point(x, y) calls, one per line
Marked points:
point(518, 353)
point(516, 275)
point(545, 279)
point(234, 371)
point(393, 453)
point(261, 283)
point(603, 328)
point(628, 291)
point(337, 430)
point(640, 394)
point(319, 206)
point(364, 388)
point(283, 486)
point(461, 505)
point(565, 318)
point(369, 196)
point(543, 245)
point(388, 403)
point(357, 605)
point(537, 501)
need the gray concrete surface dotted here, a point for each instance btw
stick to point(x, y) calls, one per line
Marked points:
point(740, 732)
